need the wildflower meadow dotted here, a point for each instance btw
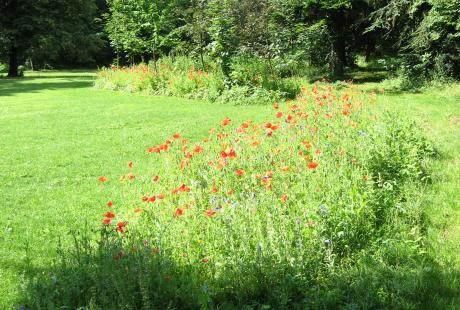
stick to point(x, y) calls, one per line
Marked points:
point(273, 211)
point(229, 154)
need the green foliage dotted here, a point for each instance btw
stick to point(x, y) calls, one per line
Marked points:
point(49, 31)
point(427, 36)
point(253, 81)
point(139, 28)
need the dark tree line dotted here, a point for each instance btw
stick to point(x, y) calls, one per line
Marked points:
point(424, 35)
point(51, 31)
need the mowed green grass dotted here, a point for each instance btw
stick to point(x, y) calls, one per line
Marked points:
point(438, 112)
point(58, 134)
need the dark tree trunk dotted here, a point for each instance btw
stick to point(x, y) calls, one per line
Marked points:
point(13, 62)
point(339, 56)
point(370, 47)
point(201, 51)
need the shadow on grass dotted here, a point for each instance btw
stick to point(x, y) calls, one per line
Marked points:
point(94, 277)
point(10, 87)
point(367, 76)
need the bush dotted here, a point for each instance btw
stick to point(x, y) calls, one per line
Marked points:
point(162, 78)
point(252, 81)
point(278, 214)
point(3, 68)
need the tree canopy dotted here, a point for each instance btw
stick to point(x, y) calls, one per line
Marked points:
point(423, 35)
point(49, 30)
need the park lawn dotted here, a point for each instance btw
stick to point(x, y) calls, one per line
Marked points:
point(438, 112)
point(58, 134)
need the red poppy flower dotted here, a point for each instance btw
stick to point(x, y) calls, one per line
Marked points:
point(231, 153)
point(107, 221)
point(275, 105)
point(120, 226)
point(268, 125)
point(145, 198)
point(161, 196)
point(188, 155)
point(184, 188)
point(137, 210)
point(306, 144)
point(312, 165)
point(210, 213)
point(119, 255)
point(131, 176)
point(178, 212)
point(155, 178)
point(130, 165)
point(152, 199)
point(109, 215)
point(285, 168)
point(102, 179)
point(153, 150)
point(197, 149)
point(214, 189)
point(279, 114)
point(283, 198)
point(239, 172)
point(226, 121)
point(109, 204)
point(176, 136)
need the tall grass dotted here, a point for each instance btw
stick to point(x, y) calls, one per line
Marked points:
point(251, 80)
point(304, 210)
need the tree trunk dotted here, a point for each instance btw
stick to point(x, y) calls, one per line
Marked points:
point(13, 62)
point(339, 56)
point(154, 59)
point(201, 51)
point(370, 46)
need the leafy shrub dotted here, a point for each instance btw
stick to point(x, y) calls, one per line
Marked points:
point(246, 95)
point(252, 80)
point(275, 214)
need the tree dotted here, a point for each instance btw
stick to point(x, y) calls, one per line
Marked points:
point(21, 24)
point(28, 27)
point(222, 32)
point(424, 34)
point(196, 27)
point(144, 27)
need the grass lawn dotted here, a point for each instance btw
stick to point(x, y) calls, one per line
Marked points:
point(58, 134)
